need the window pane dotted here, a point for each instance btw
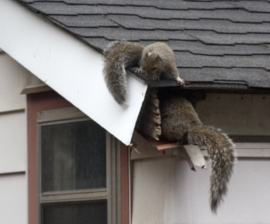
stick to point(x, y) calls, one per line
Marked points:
point(75, 213)
point(73, 156)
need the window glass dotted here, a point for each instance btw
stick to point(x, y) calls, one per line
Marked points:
point(73, 156)
point(75, 213)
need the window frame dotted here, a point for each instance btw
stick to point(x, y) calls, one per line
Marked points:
point(110, 194)
point(48, 100)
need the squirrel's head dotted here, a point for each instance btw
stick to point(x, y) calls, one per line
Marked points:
point(153, 65)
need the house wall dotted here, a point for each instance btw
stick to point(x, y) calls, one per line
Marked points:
point(237, 114)
point(166, 191)
point(13, 141)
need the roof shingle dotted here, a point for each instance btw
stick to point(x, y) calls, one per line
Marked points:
point(218, 42)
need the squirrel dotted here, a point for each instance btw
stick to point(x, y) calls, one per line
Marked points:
point(156, 60)
point(180, 122)
point(119, 56)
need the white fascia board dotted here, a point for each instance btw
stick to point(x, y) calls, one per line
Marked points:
point(68, 66)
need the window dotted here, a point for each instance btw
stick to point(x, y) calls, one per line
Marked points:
point(78, 170)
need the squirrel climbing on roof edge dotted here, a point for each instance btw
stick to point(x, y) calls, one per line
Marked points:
point(156, 60)
point(180, 122)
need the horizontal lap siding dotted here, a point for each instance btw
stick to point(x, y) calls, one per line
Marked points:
point(13, 195)
point(13, 144)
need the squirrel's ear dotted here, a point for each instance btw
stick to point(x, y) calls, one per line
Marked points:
point(158, 58)
point(147, 54)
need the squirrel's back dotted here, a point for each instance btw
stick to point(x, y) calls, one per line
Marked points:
point(178, 117)
point(165, 52)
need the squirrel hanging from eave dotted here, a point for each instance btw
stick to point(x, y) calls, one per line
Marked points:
point(179, 119)
point(156, 60)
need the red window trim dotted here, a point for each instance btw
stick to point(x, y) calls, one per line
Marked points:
point(48, 101)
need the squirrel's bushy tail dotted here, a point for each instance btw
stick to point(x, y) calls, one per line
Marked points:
point(221, 151)
point(120, 55)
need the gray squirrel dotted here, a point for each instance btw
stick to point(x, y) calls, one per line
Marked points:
point(156, 60)
point(180, 122)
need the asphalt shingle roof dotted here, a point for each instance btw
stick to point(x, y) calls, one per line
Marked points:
point(215, 42)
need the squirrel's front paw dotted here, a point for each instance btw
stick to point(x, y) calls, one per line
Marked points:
point(180, 81)
point(138, 70)
point(155, 78)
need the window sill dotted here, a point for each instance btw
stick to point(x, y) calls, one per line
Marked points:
point(78, 195)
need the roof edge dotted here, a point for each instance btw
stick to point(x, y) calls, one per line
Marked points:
point(69, 67)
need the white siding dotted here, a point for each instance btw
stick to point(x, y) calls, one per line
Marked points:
point(237, 114)
point(13, 197)
point(13, 142)
point(166, 191)
point(12, 115)
point(12, 80)
point(152, 186)
point(13, 146)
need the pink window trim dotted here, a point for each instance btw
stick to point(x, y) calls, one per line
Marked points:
point(48, 101)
